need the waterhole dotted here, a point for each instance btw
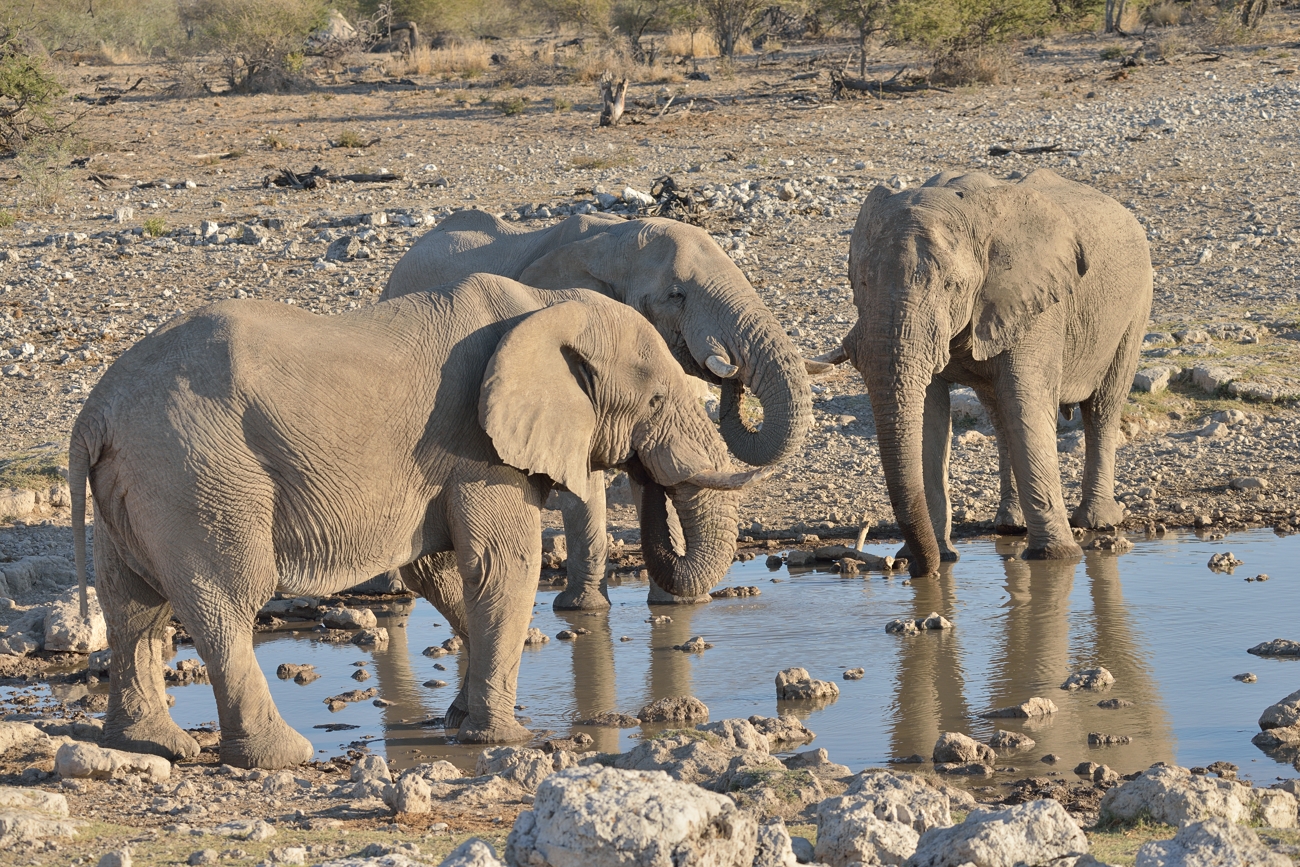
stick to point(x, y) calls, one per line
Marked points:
point(1172, 632)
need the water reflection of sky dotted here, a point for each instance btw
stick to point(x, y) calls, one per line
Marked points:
point(1171, 631)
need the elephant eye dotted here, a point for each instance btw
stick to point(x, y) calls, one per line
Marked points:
point(656, 401)
point(676, 294)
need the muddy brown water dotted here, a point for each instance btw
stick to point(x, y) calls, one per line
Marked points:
point(1172, 632)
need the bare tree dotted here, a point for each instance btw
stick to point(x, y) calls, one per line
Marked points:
point(730, 20)
point(866, 17)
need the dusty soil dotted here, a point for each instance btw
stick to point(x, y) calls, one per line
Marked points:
point(1201, 146)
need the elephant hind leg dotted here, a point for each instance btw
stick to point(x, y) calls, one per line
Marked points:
point(1102, 413)
point(1010, 518)
point(137, 616)
point(436, 577)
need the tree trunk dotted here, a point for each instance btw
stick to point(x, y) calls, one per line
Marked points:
point(612, 96)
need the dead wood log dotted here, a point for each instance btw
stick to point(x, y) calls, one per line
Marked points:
point(1001, 151)
point(613, 96)
point(319, 178)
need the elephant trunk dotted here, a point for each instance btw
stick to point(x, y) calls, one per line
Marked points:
point(770, 367)
point(898, 407)
point(708, 521)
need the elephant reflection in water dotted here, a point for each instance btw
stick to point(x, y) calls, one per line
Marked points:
point(1036, 654)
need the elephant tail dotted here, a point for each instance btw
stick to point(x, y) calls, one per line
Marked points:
point(78, 473)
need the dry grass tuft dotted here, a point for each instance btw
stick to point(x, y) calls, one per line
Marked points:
point(1166, 13)
point(589, 66)
point(465, 60)
point(681, 43)
point(973, 67)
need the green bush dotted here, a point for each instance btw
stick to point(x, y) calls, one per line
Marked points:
point(154, 227)
point(7, 219)
point(29, 107)
point(256, 39)
point(512, 105)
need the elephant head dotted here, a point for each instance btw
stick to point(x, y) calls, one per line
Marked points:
point(588, 384)
point(708, 314)
point(960, 266)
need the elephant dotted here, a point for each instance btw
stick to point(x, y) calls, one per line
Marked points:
point(690, 290)
point(1035, 294)
point(250, 447)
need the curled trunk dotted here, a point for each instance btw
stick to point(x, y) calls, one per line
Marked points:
point(774, 371)
point(708, 522)
point(899, 417)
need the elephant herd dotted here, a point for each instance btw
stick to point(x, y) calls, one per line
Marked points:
point(250, 447)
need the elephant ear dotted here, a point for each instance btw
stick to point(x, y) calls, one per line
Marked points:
point(533, 403)
point(594, 263)
point(1034, 261)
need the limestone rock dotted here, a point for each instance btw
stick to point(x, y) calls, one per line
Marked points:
point(739, 733)
point(116, 858)
point(350, 618)
point(677, 709)
point(899, 797)
point(774, 848)
point(252, 830)
point(957, 748)
point(1211, 842)
point(793, 684)
point(604, 817)
point(410, 794)
point(1011, 741)
point(849, 831)
point(19, 736)
point(87, 761)
point(1095, 679)
point(689, 757)
point(785, 729)
point(1026, 835)
point(473, 853)
point(1034, 707)
point(65, 628)
point(51, 803)
point(1175, 796)
point(1276, 647)
point(519, 764)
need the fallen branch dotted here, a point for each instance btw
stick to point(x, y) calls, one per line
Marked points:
point(1000, 151)
point(319, 178)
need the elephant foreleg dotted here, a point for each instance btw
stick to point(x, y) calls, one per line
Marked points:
point(1010, 519)
point(137, 718)
point(587, 538)
point(499, 552)
point(437, 578)
point(1029, 409)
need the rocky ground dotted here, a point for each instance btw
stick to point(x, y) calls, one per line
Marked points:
point(1201, 146)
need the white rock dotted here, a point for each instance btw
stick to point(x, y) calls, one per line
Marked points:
point(87, 761)
point(1089, 678)
point(957, 748)
point(796, 683)
point(774, 848)
point(521, 765)
point(473, 853)
point(17, 502)
point(252, 830)
point(370, 768)
point(19, 736)
point(603, 817)
point(1284, 714)
point(65, 628)
point(1175, 796)
point(739, 733)
point(1211, 379)
point(410, 794)
point(39, 800)
point(1026, 835)
point(1153, 379)
point(350, 618)
point(849, 831)
point(116, 858)
point(1210, 843)
point(899, 797)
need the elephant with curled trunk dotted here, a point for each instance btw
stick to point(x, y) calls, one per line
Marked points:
point(676, 277)
point(251, 447)
point(1035, 294)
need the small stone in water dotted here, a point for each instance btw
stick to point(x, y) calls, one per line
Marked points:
point(1245, 678)
point(435, 684)
point(855, 674)
point(1224, 562)
point(1114, 703)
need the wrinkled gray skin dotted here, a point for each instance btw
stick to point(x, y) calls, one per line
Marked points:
point(1036, 295)
point(675, 276)
point(251, 447)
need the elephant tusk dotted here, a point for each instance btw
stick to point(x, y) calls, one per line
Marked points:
point(728, 481)
point(721, 367)
point(826, 361)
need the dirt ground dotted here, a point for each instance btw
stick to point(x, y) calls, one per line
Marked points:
point(1200, 144)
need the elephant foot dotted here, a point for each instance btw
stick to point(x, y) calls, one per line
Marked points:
point(276, 746)
point(158, 736)
point(1097, 515)
point(947, 554)
point(660, 596)
point(1010, 520)
point(503, 732)
point(582, 598)
point(454, 718)
point(1063, 550)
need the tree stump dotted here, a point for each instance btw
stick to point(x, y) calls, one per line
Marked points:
point(612, 96)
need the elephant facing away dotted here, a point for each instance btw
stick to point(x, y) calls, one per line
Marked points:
point(251, 447)
point(1036, 295)
point(676, 277)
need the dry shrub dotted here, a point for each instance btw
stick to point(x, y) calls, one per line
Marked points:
point(976, 66)
point(255, 39)
point(589, 66)
point(1167, 46)
point(681, 43)
point(466, 60)
point(1166, 13)
point(113, 54)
